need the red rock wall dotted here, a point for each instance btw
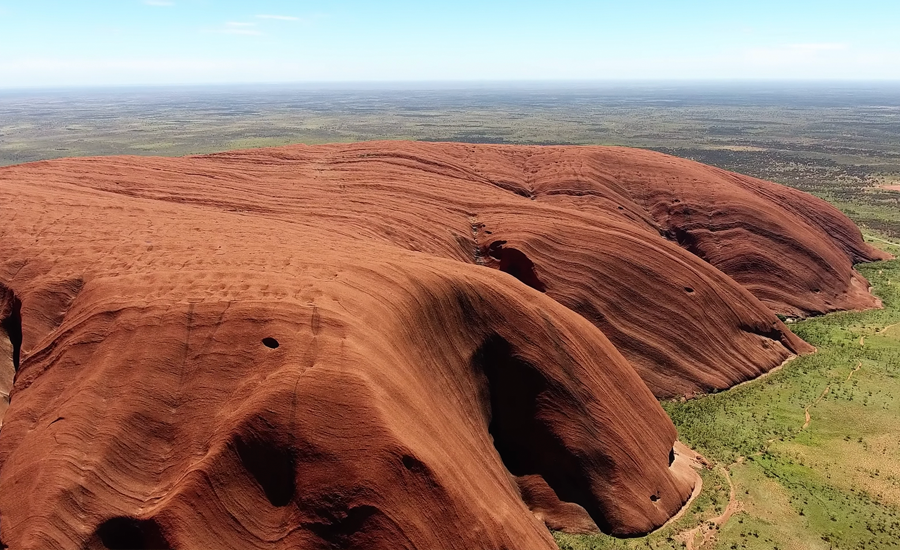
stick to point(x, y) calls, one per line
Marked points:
point(411, 384)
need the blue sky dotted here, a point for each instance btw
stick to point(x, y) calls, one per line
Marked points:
point(132, 42)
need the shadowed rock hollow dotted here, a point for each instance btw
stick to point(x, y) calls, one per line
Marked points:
point(382, 345)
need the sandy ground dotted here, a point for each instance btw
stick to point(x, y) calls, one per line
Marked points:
point(707, 530)
point(687, 462)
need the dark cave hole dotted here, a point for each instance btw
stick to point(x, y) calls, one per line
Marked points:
point(271, 466)
point(514, 386)
point(686, 241)
point(517, 264)
point(654, 498)
point(412, 464)
point(270, 342)
point(689, 290)
point(526, 444)
point(12, 326)
point(122, 533)
point(671, 456)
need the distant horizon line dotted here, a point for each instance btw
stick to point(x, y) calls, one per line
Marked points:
point(461, 84)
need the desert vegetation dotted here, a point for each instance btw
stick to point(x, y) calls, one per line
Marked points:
point(805, 457)
point(834, 483)
point(841, 143)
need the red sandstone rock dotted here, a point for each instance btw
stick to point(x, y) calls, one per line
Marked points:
point(304, 347)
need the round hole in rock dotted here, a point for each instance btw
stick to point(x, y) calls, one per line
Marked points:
point(123, 533)
point(689, 290)
point(654, 498)
point(270, 342)
point(411, 463)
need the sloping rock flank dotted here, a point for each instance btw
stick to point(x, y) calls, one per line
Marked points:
point(373, 345)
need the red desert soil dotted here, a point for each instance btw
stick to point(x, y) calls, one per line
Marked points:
point(707, 530)
point(385, 344)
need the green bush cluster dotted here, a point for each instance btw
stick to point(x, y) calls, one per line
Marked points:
point(831, 498)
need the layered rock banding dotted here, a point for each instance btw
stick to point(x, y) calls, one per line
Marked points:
point(382, 345)
point(10, 344)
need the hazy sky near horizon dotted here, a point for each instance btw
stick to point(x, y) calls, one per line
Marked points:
point(47, 43)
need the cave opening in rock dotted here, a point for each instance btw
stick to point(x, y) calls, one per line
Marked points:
point(11, 325)
point(514, 386)
point(270, 342)
point(687, 241)
point(123, 533)
point(10, 344)
point(515, 398)
point(517, 264)
point(412, 464)
point(271, 466)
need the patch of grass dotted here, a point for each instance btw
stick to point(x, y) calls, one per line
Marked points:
point(841, 144)
point(709, 503)
point(833, 484)
point(839, 475)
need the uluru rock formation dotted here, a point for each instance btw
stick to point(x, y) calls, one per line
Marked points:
point(382, 345)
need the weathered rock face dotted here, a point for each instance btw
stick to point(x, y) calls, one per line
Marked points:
point(306, 347)
point(10, 344)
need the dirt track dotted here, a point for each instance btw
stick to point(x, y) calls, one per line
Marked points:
point(707, 530)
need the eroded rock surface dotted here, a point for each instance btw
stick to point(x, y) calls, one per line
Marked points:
point(382, 345)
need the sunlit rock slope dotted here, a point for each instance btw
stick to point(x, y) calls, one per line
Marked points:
point(382, 345)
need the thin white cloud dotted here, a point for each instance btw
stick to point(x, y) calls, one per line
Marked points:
point(159, 3)
point(278, 17)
